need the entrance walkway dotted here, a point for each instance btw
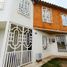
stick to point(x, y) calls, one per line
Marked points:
point(63, 64)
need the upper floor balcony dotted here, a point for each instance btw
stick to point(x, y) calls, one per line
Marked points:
point(50, 17)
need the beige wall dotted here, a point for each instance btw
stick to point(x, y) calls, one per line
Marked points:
point(1, 39)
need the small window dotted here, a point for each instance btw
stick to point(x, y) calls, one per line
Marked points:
point(46, 14)
point(24, 8)
point(61, 43)
point(44, 42)
point(64, 19)
point(51, 40)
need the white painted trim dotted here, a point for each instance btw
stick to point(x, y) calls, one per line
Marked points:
point(44, 21)
point(20, 25)
point(4, 45)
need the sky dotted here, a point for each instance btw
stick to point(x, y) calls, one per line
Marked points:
point(62, 3)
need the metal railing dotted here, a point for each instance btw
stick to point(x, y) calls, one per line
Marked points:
point(18, 58)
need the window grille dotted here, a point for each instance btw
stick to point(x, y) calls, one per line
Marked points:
point(64, 19)
point(46, 14)
point(24, 8)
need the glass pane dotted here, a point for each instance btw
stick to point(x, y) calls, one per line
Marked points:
point(18, 49)
point(27, 38)
point(46, 14)
point(44, 42)
point(9, 49)
point(15, 37)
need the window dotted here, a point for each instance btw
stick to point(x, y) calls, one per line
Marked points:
point(64, 20)
point(61, 43)
point(46, 14)
point(27, 39)
point(51, 40)
point(24, 8)
point(44, 42)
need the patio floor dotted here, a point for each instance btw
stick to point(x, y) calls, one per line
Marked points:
point(36, 64)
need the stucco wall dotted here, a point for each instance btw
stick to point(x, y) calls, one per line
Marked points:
point(21, 19)
point(6, 11)
point(52, 49)
point(37, 45)
point(10, 13)
point(1, 39)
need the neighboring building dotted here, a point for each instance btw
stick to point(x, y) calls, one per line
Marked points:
point(31, 30)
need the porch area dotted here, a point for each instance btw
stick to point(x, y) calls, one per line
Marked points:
point(45, 60)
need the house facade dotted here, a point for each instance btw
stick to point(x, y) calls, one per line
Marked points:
point(31, 30)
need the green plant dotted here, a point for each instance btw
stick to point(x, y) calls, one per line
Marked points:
point(52, 63)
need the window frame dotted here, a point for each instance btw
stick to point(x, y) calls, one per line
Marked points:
point(64, 19)
point(44, 42)
point(52, 40)
point(25, 11)
point(50, 11)
point(61, 47)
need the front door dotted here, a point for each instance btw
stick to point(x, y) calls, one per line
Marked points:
point(19, 46)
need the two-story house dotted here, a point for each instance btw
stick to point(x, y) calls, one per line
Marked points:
point(50, 24)
point(31, 30)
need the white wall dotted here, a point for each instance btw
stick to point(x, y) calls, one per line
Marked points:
point(6, 11)
point(18, 18)
point(37, 45)
point(10, 13)
point(52, 48)
point(1, 39)
point(3, 34)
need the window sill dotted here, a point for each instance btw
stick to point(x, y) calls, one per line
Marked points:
point(65, 25)
point(62, 50)
point(47, 22)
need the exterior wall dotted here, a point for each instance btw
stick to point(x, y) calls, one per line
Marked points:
point(38, 47)
point(56, 21)
point(6, 10)
point(3, 34)
point(10, 13)
point(54, 48)
point(21, 19)
point(1, 39)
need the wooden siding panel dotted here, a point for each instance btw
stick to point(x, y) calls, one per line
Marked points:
point(56, 22)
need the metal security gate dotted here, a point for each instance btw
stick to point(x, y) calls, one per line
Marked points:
point(19, 47)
